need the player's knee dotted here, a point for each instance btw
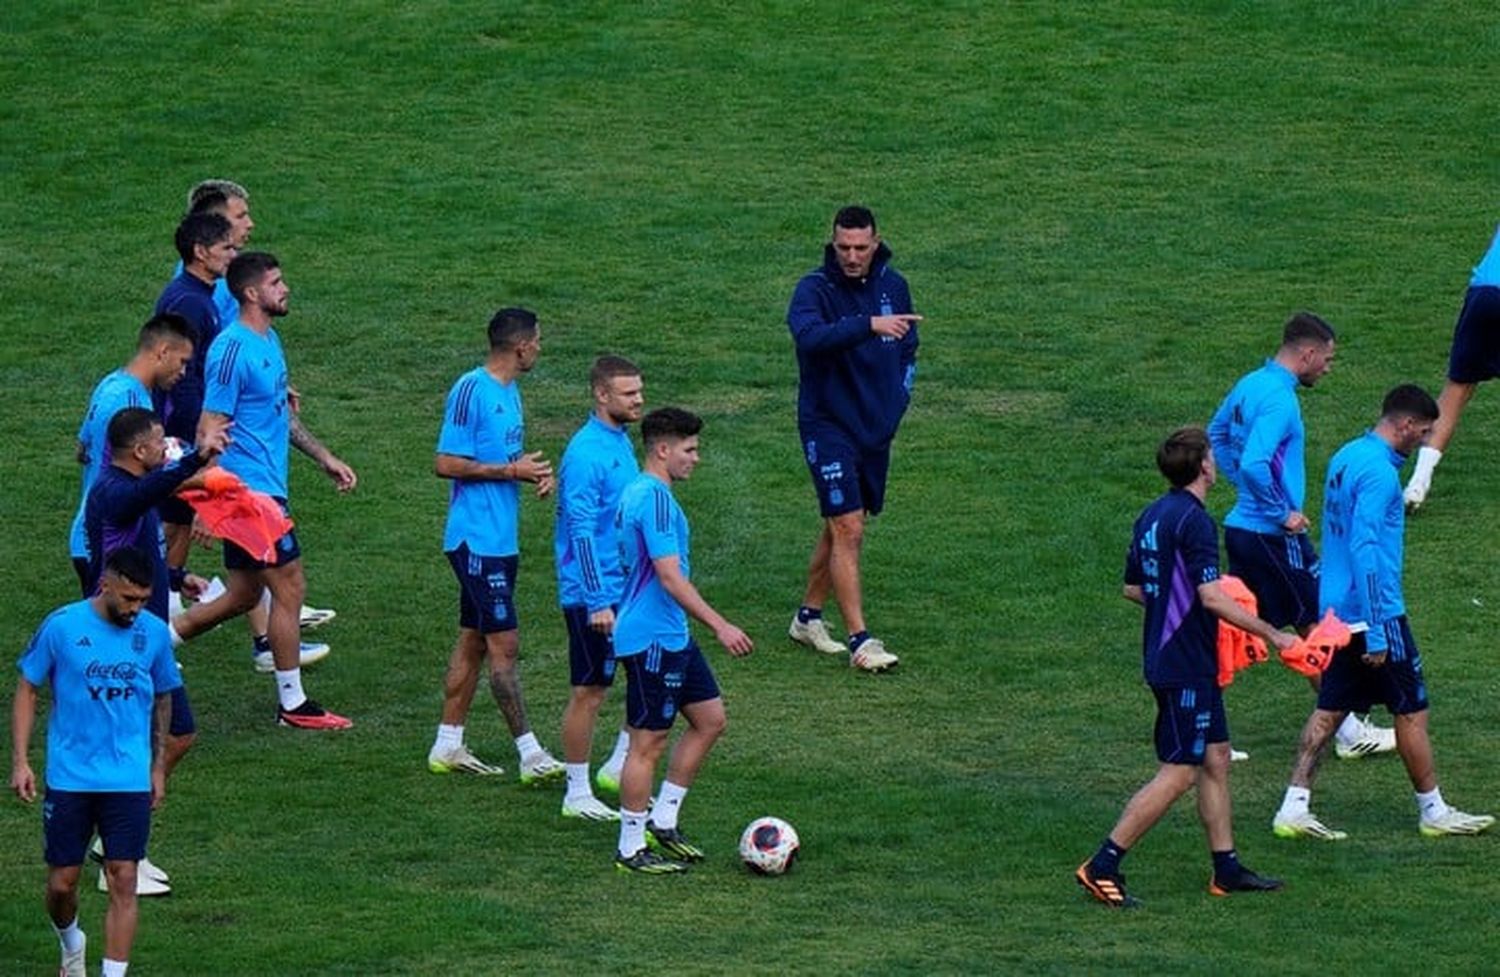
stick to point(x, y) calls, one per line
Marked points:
point(589, 697)
point(120, 876)
point(847, 529)
point(60, 886)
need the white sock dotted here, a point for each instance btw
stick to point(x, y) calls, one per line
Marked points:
point(616, 759)
point(1351, 729)
point(1296, 801)
point(114, 968)
point(448, 738)
point(176, 638)
point(632, 832)
point(1427, 459)
point(289, 688)
point(668, 803)
point(70, 936)
point(578, 782)
point(1431, 804)
point(527, 744)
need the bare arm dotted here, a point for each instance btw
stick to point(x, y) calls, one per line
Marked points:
point(161, 721)
point(1133, 592)
point(22, 717)
point(681, 589)
point(530, 467)
point(343, 476)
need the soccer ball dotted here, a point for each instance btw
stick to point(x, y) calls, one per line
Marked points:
point(769, 846)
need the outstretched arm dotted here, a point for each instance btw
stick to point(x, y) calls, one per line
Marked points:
point(669, 571)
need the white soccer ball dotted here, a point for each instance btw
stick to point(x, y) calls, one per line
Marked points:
point(769, 846)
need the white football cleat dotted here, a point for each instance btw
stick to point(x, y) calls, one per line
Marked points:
point(145, 886)
point(316, 617)
point(1305, 825)
point(73, 964)
point(1238, 756)
point(589, 808)
point(150, 869)
point(540, 767)
point(872, 656)
point(815, 635)
point(1371, 739)
point(460, 760)
point(1456, 822)
point(312, 653)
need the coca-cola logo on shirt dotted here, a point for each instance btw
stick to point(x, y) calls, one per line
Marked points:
point(122, 671)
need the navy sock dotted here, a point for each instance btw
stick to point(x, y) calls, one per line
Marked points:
point(262, 643)
point(1106, 860)
point(857, 639)
point(1227, 864)
point(805, 613)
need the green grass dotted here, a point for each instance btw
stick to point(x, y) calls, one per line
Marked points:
point(1105, 212)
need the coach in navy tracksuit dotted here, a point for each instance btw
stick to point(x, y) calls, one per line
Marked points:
point(856, 342)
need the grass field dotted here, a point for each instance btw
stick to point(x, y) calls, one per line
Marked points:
point(1105, 211)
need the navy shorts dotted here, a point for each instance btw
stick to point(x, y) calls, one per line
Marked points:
point(1281, 570)
point(1188, 718)
point(659, 683)
point(182, 723)
point(847, 478)
point(71, 818)
point(1349, 685)
point(1475, 356)
point(591, 655)
point(175, 511)
point(486, 590)
point(287, 550)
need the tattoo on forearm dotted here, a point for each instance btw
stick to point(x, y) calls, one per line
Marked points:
point(303, 440)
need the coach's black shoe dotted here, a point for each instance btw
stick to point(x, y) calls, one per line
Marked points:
point(647, 862)
point(671, 842)
point(1108, 889)
point(1246, 881)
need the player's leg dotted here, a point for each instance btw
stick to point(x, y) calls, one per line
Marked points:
point(831, 462)
point(591, 667)
point(846, 534)
point(808, 626)
point(701, 703)
point(650, 710)
point(125, 828)
point(67, 825)
point(1216, 813)
point(287, 585)
point(258, 620)
point(449, 754)
point(62, 908)
point(1473, 358)
point(502, 649)
point(240, 594)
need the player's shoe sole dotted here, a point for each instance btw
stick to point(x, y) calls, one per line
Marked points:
point(1108, 889)
point(814, 634)
point(648, 862)
point(1248, 881)
point(672, 842)
point(310, 715)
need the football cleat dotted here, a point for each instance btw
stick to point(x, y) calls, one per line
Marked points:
point(607, 779)
point(872, 656)
point(316, 617)
point(312, 652)
point(673, 843)
point(144, 867)
point(1371, 739)
point(1238, 756)
point(73, 963)
point(460, 760)
point(648, 862)
point(1456, 822)
point(589, 808)
point(1246, 881)
point(540, 768)
point(1108, 889)
point(1304, 825)
point(145, 886)
point(815, 635)
point(310, 715)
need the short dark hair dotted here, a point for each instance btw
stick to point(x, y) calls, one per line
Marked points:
point(129, 426)
point(196, 229)
point(1409, 400)
point(165, 327)
point(1304, 327)
point(247, 270)
point(224, 188)
point(669, 424)
point(510, 327)
point(132, 564)
point(1180, 457)
point(606, 368)
point(854, 216)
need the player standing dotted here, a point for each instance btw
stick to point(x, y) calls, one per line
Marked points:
point(247, 384)
point(1473, 359)
point(1172, 570)
point(665, 671)
point(481, 449)
point(112, 674)
point(1364, 523)
point(856, 339)
point(1259, 442)
point(597, 465)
